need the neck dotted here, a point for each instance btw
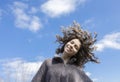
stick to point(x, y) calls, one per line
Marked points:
point(65, 58)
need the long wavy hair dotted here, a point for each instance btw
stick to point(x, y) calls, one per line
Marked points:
point(85, 53)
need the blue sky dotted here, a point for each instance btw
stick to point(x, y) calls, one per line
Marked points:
point(28, 31)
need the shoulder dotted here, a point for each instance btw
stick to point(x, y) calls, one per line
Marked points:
point(47, 62)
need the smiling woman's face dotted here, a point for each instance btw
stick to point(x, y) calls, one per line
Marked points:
point(72, 47)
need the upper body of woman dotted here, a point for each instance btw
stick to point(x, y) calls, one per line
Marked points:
point(76, 47)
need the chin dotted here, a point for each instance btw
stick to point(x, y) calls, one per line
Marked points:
point(69, 54)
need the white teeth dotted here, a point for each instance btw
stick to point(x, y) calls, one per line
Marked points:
point(69, 48)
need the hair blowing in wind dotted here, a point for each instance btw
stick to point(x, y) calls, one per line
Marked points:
point(87, 39)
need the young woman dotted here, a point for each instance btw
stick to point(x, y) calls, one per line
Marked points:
point(76, 49)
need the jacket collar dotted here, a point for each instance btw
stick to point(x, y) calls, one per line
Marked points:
point(58, 59)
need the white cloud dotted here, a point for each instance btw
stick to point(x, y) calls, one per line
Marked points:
point(25, 17)
point(0, 14)
point(1, 80)
point(88, 73)
point(33, 10)
point(55, 8)
point(89, 23)
point(95, 80)
point(109, 41)
point(20, 70)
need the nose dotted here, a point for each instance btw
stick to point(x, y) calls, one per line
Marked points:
point(71, 46)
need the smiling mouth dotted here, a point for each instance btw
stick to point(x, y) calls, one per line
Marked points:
point(68, 49)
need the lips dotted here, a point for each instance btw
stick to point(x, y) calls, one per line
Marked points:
point(68, 50)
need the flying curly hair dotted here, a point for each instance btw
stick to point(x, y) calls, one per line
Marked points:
point(85, 53)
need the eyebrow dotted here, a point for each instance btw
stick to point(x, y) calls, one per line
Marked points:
point(73, 41)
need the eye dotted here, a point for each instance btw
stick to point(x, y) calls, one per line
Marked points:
point(76, 47)
point(72, 42)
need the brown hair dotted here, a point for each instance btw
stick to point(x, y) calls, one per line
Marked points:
point(85, 53)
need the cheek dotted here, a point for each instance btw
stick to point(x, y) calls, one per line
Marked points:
point(75, 51)
point(65, 47)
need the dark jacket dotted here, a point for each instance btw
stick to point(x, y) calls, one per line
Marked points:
point(54, 70)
